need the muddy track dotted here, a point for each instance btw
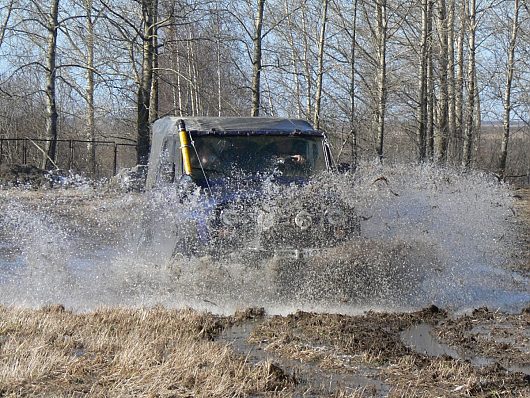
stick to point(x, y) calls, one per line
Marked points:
point(427, 353)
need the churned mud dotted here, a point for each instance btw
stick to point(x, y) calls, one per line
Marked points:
point(389, 350)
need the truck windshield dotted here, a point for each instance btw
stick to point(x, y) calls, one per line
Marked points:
point(287, 156)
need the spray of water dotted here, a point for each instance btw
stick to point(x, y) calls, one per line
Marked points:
point(429, 235)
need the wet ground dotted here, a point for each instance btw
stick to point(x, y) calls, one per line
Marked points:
point(426, 353)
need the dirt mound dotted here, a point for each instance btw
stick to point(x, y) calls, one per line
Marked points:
point(16, 175)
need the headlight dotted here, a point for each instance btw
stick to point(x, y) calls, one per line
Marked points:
point(265, 220)
point(229, 217)
point(303, 220)
point(335, 216)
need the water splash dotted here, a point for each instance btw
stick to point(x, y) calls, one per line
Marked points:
point(429, 235)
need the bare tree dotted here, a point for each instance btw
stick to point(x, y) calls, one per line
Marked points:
point(451, 113)
point(256, 59)
point(154, 100)
point(51, 76)
point(219, 72)
point(443, 120)
point(382, 23)
point(146, 80)
point(426, 40)
point(353, 130)
point(295, 59)
point(508, 90)
point(320, 73)
point(90, 87)
point(5, 23)
point(307, 61)
point(459, 84)
point(430, 89)
point(471, 95)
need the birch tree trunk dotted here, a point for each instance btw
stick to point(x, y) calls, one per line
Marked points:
point(508, 91)
point(430, 93)
point(422, 89)
point(90, 118)
point(353, 130)
point(441, 139)
point(451, 116)
point(295, 57)
point(153, 101)
point(179, 83)
point(320, 73)
point(470, 106)
point(307, 64)
point(51, 76)
point(381, 75)
point(144, 87)
point(191, 85)
point(459, 100)
point(175, 61)
point(194, 76)
point(218, 60)
point(256, 60)
point(477, 123)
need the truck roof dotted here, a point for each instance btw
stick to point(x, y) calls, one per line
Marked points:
point(165, 139)
point(241, 125)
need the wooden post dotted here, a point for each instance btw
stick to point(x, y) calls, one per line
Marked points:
point(115, 159)
point(71, 154)
point(24, 150)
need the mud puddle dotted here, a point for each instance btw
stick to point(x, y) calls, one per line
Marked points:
point(309, 379)
point(420, 339)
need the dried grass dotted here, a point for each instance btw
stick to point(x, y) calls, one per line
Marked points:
point(123, 352)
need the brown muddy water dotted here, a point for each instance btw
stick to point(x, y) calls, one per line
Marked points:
point(347, 322)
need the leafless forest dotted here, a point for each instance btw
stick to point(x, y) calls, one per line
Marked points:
point(416, 80)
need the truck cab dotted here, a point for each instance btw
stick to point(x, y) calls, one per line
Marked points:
point(233, 162)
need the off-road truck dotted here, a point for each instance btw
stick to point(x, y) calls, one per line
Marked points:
point(253, 176)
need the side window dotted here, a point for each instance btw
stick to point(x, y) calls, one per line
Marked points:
point(166, 171)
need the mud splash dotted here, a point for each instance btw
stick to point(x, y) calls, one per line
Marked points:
point(429, 235)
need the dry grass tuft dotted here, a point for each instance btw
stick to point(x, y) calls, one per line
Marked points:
point(123, 352)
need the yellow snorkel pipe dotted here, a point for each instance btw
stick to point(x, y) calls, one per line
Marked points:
point(185, 147)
